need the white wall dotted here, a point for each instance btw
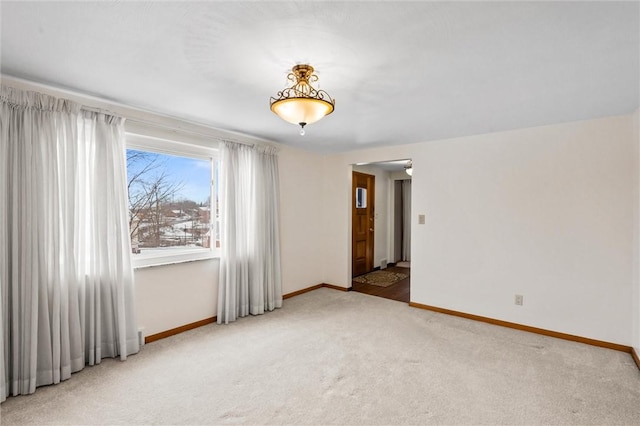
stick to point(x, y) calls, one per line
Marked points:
point(336, 197)
point(544, 212)
point(636, 243)
point(170, 296)
point(302, 227)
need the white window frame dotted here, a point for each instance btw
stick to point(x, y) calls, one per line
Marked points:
point(183, 149)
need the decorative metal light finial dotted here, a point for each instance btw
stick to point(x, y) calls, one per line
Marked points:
point(301, 103)
point(409, 168)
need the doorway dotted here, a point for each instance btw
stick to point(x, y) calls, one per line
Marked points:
point(387, 274)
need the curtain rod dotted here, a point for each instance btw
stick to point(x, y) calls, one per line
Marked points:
point(166, 126)
point(126, 110)
point(193, 132)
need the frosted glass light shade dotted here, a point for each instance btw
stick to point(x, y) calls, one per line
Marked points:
point(301, 110)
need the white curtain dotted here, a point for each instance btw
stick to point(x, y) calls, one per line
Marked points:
point(250, 277)
point(406, 220)
point(66, 279)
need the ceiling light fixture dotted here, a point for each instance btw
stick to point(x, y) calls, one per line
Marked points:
point(409, 168)
point(301, 103)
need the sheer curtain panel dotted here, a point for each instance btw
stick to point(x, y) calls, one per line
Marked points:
point(66, 279)
point(250, 277)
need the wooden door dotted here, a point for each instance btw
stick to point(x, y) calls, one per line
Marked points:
point(362, 226)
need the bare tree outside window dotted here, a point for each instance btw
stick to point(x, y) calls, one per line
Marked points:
point(169, 201)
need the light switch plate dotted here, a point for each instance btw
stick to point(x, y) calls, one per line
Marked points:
point(420, 219)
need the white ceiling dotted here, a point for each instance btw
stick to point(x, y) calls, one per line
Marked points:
point(401, 72)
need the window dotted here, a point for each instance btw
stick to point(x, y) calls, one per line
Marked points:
point(173, 203)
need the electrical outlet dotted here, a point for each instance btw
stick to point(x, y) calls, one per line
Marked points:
point(519, 299)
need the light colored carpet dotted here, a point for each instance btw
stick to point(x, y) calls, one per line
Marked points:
point(381, 278)
point(331, 357)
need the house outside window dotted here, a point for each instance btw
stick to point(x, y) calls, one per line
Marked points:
point(173, 203)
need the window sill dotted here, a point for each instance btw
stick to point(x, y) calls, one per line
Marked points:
point(148, 261)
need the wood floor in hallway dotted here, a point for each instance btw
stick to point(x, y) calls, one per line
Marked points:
point(398, 291)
